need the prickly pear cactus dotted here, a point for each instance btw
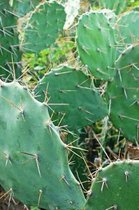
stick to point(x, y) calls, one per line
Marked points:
point(9, 43)
point(117, 6)
point(123, 94)
point(127, 26)
point(22, 7)
point(115, 187)
point(33, 159)
point(43, 27)
point(72, 97)
point(96, 43)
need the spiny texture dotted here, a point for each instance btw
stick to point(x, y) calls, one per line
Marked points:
point(96, 43)
point(116, 187)
point(9, 43)
point(22, 7)
point(72, 97)
point(117, 6)
point(128, 27)
point(77, 157)
point(123, 94)
point(33, 159)
point(44, 26)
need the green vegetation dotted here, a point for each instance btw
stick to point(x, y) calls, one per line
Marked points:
point(69, 105)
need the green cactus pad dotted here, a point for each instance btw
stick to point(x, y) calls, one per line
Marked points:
point(123, 94)
point(96, 43)
point(128, 26)
point(22, 7)
point(117, 6)
point(33, 160)
point(44, 27)
point(72, 96)
point(116, 187)
point(9, 43)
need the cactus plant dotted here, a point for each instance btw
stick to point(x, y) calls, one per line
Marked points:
point(122, 112)
point(10, 55)
point(115, 187)
point(33, 159)
point(43, 27)
point(22, 7)
point(70, 91)
point(96, 43)
point(127, 26)
point(123, 93)
point(117, 6)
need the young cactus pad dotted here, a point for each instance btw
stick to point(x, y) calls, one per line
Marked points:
point(72, 97)
point(33, 159)
point(96, 43)
point(44, 27)
point(123, 94)
point(116, 187)
point(9, 43)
